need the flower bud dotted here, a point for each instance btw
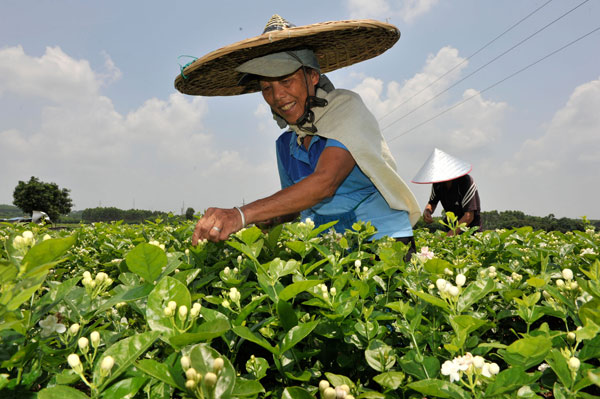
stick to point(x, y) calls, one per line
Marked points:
point(100, 277)
point(75, 363)
point(323, 384)
point(83, 343)
point(345, 387)
point(357, 263)
point(191, 374)
point(567, 274)
point(172, 305)
point(191, 384)
point(234, 295)
point(571, 336)
point(74, 329)
point(210, 380)
point(452, 290)
point(560, 283)
point(186, 363)
point(225, 303)
point(183, 311)
point(106, 365)
point(28, 235)
point(340, 393)
point(218, 364)
point(478, 362)
point(574, 363)
point(441, 284)
point(494, 368)
point(329, 393)
point(95, 338)
point(46, 237)
point(332, 291)
point(168, 312)
point(461, 280)
point(239, 259)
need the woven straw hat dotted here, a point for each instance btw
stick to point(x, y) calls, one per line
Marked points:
point(441, 167)
point(336, 44)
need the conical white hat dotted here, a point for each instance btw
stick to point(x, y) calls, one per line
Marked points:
point(441, 167)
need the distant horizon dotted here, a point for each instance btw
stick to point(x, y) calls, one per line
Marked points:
point(437, 214)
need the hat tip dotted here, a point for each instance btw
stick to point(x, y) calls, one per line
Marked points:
point(277, 22)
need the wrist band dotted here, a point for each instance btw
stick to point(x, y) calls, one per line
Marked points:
point(242, 215)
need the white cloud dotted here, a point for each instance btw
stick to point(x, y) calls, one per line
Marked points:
point(407, 10)
point(158, 154)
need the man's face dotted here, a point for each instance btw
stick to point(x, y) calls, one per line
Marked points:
point(287, 94)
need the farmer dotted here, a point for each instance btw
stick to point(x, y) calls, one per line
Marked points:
point(334, 164)
point(453, 186)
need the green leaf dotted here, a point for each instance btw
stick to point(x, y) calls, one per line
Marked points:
point(203, 357)
point(536, 282)
point(286, 314)
point(297, 287)
point(475, 292)
point(133, 294)
point(146, 260)
point(125, 352)
point(439, 389)
point(168, 289)
point(160, 371)
point(61, 392)
point(296, 393)
point(336, 380)
point(245, 387)
point(204, 332)
point(437, 266)
point(126, 388)
point(527, 352)
point(296, 334)
point(46, 252)
point(510, 380)
point(390, 380)
point(590, 350)
point(245, 333)
point(440, 303)
point(380, 356)
point(560, 367)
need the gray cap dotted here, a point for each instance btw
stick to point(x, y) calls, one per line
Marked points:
point(280, 64)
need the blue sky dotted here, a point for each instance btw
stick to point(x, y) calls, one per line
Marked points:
point(87, 100)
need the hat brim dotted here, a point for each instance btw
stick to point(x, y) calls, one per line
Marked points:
point(336, 44)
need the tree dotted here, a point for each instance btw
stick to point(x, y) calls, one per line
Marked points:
point(35, 195)
point(189, 214)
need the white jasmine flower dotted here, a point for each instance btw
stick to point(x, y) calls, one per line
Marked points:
point(494, 368)
point(51, 325)
point(543, 366)
point(168, 312)
point(332, 291)
point(239, 259)
point(46, 237)
point(27, 235)
point(340, 393)
point(172, 305)
point(461, 280)
point(567, 274)
point(425, 254)
point(560, 283)
point(191, 374)
point(451, 369)
point(588, 251)
point(478, 362)
point(448, 272)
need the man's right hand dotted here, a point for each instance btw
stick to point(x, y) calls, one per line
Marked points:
point(427, 216)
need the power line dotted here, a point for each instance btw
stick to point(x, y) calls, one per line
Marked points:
point(486, 64)
point(466, 59)
point(495, 84)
